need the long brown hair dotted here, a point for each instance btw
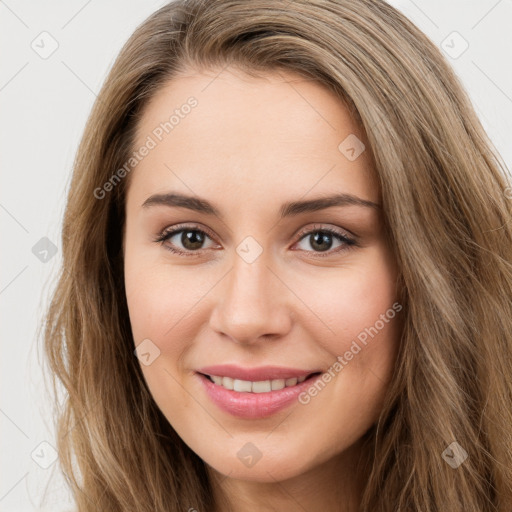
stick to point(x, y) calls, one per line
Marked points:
point(447, 206)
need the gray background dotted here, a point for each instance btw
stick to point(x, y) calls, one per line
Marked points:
point(45, 101)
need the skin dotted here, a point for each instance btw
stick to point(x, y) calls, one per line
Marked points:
point(250, 145)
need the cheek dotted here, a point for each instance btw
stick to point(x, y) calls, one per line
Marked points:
point(160, 296)
point(359, 305)
point(353, 299)
point(159, 312)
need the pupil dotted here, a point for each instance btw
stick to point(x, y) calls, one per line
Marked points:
point(192, 239)
point(320, 237)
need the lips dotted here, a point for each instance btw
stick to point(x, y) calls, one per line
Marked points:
point(253, 405)
point(256, 374)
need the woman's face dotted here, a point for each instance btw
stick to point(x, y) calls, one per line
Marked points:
point(259, 284)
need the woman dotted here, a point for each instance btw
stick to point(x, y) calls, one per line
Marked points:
point(287, 279)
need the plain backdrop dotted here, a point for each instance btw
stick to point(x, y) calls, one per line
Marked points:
point(55, 56)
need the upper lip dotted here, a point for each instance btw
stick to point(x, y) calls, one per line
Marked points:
point(256, 374)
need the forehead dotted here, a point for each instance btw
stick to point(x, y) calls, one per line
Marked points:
point(278, 133)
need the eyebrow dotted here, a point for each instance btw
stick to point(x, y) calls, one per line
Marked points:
point(292, 208)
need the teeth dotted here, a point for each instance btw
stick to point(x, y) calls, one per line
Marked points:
point(242, 385)
point(278, 384)
point(261, 387)
point(217, 380)
point(256, 387)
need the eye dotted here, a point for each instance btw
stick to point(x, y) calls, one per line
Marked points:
point(191, 239)
point(321, 239)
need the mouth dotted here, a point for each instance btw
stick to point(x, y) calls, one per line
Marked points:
point(252, 400)
point(262, 386)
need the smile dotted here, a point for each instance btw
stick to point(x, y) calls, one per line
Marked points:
point(263, 386)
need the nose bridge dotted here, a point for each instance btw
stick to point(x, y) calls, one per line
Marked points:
point(251, 302)
point(251, 280)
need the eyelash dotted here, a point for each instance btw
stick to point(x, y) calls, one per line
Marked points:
point(167, 234)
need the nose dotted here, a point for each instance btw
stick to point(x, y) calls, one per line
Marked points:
point(252, 304)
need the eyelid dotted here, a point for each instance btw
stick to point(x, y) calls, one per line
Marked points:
point(323, 227)
point(175, 228)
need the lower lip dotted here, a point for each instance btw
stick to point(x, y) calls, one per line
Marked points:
point(254, 405)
